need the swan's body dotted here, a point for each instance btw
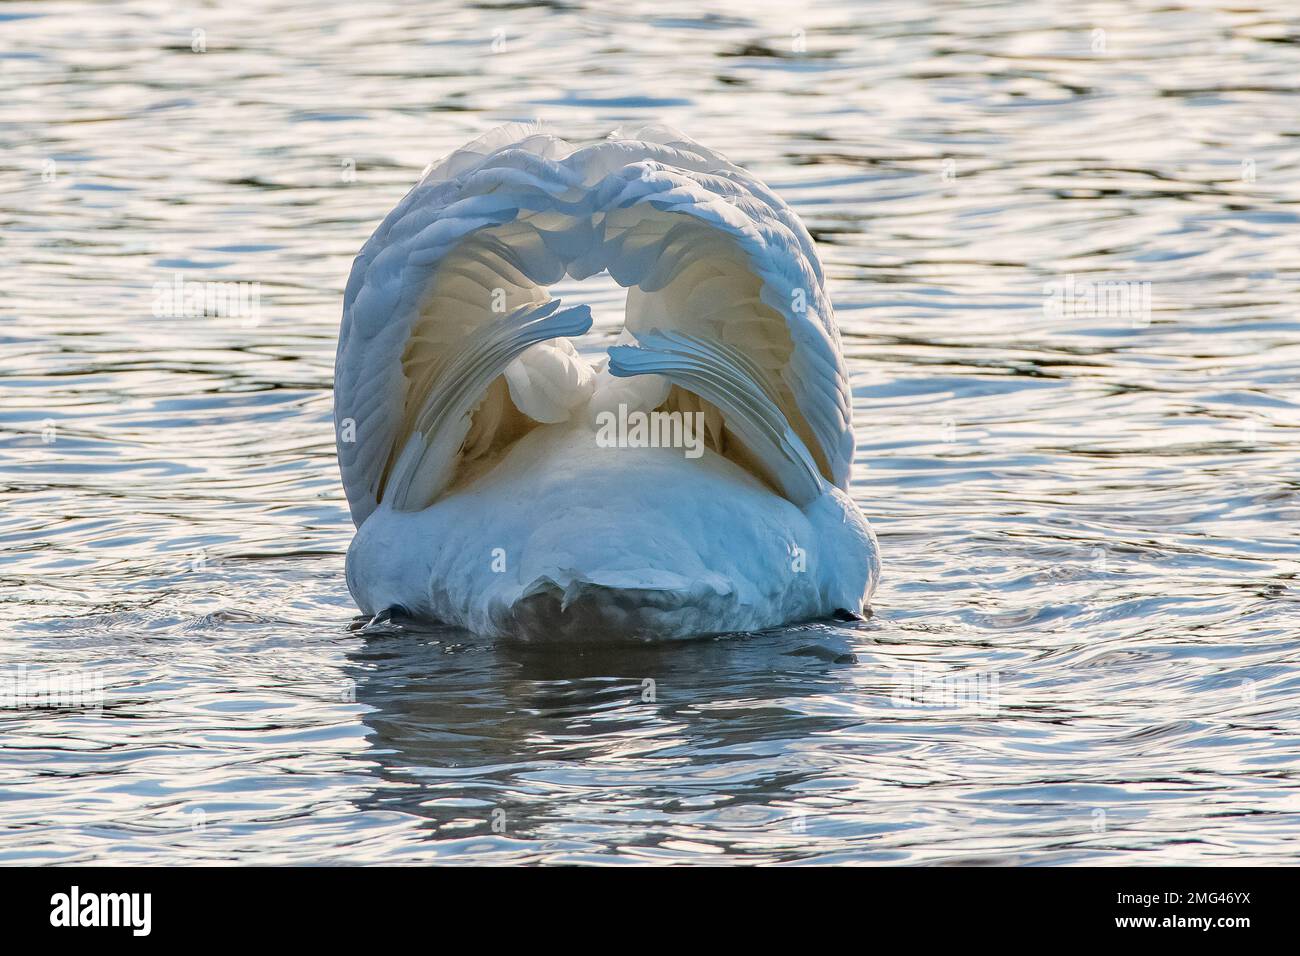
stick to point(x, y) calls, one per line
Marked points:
point(474, 440)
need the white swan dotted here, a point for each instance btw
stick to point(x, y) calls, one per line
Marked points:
point(474, 440)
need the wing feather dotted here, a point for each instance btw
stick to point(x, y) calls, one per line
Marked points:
point(704, 247)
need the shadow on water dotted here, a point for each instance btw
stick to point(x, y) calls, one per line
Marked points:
point(460, 727)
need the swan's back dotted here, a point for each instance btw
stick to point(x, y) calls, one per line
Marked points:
point(452, 351)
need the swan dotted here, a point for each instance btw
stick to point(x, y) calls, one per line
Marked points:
point(692, 481)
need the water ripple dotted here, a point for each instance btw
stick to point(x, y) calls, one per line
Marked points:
point(1085, 646)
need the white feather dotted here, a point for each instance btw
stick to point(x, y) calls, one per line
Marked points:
point(443, 406)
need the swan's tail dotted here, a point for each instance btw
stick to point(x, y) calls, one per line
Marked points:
point(725, 377)
point(429, 459)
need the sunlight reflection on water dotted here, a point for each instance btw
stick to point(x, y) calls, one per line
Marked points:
point(1096, 510)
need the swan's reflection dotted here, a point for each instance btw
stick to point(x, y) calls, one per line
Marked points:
point(623, 742)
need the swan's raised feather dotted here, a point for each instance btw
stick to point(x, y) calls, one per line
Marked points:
point(453, 374)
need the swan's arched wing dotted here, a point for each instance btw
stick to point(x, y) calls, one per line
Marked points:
point(461, 263)
point(446, 263)
point(715, 254)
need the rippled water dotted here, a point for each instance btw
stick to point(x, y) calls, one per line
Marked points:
point(1090, 519)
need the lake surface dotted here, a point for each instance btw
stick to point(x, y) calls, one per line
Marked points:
point(1086, 645)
